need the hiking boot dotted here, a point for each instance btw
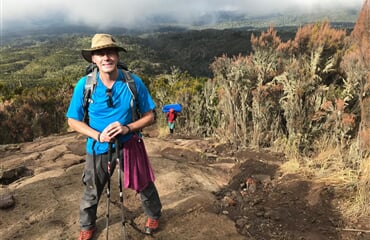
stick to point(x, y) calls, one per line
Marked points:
point(151, 226)
point(87, 234)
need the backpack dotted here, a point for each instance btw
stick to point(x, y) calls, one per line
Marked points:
point(90, 84)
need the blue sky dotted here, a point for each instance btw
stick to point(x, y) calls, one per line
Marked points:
point(105, 13)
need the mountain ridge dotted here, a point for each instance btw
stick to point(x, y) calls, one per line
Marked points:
point(342, 18)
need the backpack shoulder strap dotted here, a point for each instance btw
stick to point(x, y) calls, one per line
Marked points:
point(130, 83)
point(132, 88)
point(89, 88)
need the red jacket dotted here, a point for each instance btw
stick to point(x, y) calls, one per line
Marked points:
point(171, 116)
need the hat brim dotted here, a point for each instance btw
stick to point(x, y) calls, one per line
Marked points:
point(87, 53)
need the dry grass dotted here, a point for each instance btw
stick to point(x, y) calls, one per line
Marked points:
point(330, 168)
point(291, 166)
point(337, 169)
point(360, 206)
point(163, 131)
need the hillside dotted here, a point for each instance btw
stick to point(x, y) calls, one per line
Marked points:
point(191, 48)
point(49, 57)
point(45, 58)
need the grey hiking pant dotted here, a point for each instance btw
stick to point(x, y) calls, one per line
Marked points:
point(94, 188)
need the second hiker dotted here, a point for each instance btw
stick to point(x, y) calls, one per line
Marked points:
point(110, 117)
point(171, 119)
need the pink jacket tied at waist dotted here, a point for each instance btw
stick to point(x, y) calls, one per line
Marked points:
point(138, 172)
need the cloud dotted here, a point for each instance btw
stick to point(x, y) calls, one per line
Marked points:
point(135, 13)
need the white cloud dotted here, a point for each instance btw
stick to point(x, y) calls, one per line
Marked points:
point(123, 12)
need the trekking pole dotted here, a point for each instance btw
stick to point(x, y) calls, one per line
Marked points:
point(119, 161)
point(108, 189)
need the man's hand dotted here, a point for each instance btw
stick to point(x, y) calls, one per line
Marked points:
point(113, 130)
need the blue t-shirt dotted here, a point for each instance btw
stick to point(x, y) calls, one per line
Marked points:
point(100, 114)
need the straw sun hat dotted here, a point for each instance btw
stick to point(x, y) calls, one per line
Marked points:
point(100, 41)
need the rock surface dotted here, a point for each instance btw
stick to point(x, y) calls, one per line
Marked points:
point(208, 191)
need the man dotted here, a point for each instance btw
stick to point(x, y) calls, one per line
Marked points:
point(110, 118)
point(171, 119)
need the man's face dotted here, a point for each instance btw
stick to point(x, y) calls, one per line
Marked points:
point(106, 59)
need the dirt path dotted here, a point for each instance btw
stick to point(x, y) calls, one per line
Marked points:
point(201, 184)
point(47, 203)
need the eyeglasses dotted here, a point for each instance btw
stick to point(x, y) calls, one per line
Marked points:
point(110, 99)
